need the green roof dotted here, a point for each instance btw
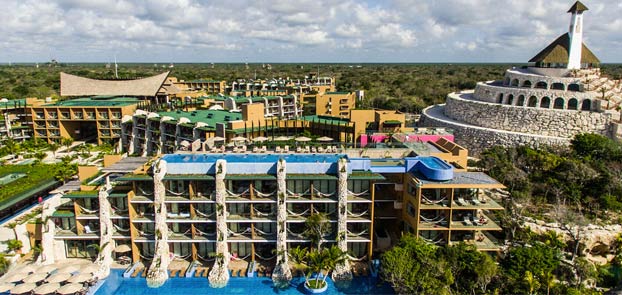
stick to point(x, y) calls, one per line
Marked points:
point(311, 177)
point(135, 177)
point(250, 177)
point(188, 177)
point(326, 119)
point(82, 195)
point(202, 81)
point(245, 99)
point(210, 117)
point(577, 7)
point(364, 175)
point(97, 101)
point(38, 178)
point(63, 213)
point(557, 52)
point(12, 104)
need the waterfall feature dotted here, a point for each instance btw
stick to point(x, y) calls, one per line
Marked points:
point(343, 270)
point(282, 274)
point(219, 275)
point(106, 243)
point(158, 273)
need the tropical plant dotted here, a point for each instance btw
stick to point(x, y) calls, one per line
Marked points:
point(13, 226)
point(316, 227)
point(4, 264)
point(14, 245)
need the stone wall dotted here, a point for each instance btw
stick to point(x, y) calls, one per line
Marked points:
point(547, 122)
point(490, 93)
point(477, 139)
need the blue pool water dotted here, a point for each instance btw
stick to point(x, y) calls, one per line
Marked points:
point(434, 163)
point(254, 158)
point(117, 285)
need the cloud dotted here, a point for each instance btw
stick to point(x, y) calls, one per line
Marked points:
point(304, 30)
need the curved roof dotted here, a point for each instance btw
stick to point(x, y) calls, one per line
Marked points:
point(557, 52)
point(71, 85)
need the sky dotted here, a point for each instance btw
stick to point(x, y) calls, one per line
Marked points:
point(298, 30)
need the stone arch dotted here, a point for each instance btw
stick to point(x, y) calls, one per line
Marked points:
point(510, 99)
point(500, 98)
point(545, 102)
point(514, 83)
point(533, 102)
point(586, 105)
point(558, 86)
point(574, 87)
point(559, 103)
point(573, 104)
point(521, 100)
point(527, 84)
point(541, 85)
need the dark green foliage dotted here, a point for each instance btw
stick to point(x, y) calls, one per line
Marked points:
point(538, 259)
point(588, 175)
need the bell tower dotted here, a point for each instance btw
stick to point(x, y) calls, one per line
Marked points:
point(575, 34)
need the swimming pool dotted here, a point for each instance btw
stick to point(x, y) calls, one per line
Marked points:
point(117, 285)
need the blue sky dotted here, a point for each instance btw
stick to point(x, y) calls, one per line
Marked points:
point(297, 31)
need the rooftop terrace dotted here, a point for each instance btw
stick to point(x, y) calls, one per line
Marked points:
point(209, 117)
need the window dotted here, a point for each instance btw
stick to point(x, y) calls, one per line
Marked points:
point(521, 100)
point(533, 102)
point(573, 104)
point(411, 210)
point(545, 102)
point(541, 85)
point(559, 103)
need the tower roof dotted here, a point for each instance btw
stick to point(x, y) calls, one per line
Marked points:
point(577, 7)
point(557, 52)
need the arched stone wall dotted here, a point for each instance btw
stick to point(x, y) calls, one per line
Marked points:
point(548, 122)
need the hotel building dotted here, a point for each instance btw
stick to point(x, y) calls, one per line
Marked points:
point(254, 203)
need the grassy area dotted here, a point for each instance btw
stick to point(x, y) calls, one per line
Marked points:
point(37, 176)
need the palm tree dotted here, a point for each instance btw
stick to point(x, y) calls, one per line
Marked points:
point(532, 282)
point(317, 262)
point(334, 256)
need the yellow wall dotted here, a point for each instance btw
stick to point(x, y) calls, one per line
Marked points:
point(84, 172)
point(334, 109)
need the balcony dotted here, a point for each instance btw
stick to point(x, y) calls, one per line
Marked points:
point(468, 221)
point(483, 241)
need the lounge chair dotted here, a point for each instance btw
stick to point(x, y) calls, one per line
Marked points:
point(264, 149)
point(320, 149)
point(307, 149)
point(243, 149)
point(298, 149)
point(255, 149)
point(277, 149)
point(286, 149)
point(475, 201)
point(475, 221)
point(313, 150)
point(466, 221)
point(460, 201)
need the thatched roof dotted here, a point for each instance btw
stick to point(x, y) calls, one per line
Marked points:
point(71, 85)
point(577, 7)
point(557, 52)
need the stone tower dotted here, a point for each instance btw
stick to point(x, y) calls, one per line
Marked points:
point(575, 33)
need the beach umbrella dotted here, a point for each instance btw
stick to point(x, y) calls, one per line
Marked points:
point(14, 277)
point(218, 138)
point(70, 289)
point(48, 288)
point(216, 107)
point(5, 287)
point(184, 143)
point(89, 268)
point(27, 268)
point(45, 269)
point(324, 138)
point(58, 277)
point(281, 138)
point(123, 248)
point(260, 139)
point(239, 138)
point(302, 139)
point(80, 278)
point(69, 269)
point(35, 278)
point(23, 288)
